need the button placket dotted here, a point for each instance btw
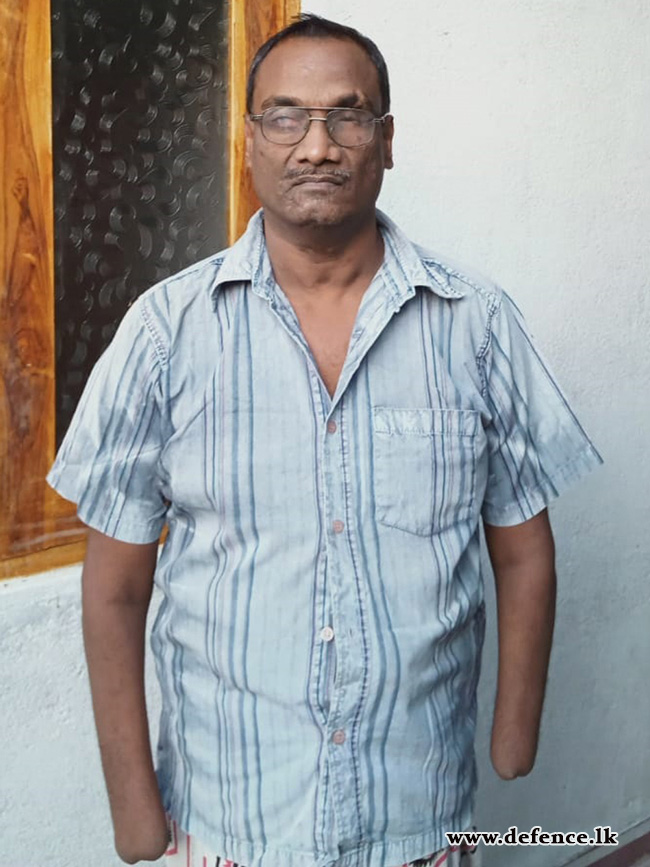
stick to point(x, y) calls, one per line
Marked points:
point(346, 652)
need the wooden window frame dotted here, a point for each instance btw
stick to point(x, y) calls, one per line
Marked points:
point(38, 529)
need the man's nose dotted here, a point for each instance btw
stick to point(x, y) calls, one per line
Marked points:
point(318, 146)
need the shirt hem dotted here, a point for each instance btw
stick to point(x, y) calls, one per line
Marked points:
point(391, 853)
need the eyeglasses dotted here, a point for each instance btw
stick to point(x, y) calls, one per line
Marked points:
point(347, 127)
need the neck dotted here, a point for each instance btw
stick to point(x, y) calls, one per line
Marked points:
point(332, 260)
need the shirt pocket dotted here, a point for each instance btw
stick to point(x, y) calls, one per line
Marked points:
point(424, 468)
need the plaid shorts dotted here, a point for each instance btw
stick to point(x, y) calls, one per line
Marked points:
point(186, 851)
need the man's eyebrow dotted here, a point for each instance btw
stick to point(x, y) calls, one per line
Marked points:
point(279, 100)
point(347, 100)
point(353, 100)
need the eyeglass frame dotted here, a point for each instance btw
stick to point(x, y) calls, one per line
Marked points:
point(310, 118)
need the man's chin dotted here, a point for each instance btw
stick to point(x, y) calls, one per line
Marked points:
point(317, 214)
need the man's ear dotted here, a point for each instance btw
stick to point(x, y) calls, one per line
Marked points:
point(388, 131)
point(249, 130)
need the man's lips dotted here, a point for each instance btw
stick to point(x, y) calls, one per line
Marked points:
point(336, 180)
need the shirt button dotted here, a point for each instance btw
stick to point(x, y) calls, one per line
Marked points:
point(331, 426)
point(338, 526)
point(327, 633)
point(339, 737)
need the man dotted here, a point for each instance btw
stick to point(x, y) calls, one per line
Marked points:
point(321, 414)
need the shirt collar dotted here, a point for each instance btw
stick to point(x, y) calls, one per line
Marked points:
point(411, 267)
point(247, 260)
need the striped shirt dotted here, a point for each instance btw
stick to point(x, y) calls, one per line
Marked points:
point(319, 640)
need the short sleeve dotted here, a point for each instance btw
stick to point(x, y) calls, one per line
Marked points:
point(108, 461)
point(536, 445)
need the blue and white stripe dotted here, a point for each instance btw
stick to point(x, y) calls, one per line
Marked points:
point(278, 746)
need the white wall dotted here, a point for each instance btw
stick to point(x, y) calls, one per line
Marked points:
point(53, 810)
point(523, 133)
point(522, 148)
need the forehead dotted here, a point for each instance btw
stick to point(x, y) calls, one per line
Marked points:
point(316, 72)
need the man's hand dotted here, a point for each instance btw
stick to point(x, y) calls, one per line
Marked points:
point(140, 832)
point(143, 835)
point(117, 583)
point(523, 560)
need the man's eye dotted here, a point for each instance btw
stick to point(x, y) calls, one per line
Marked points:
point(349, 117)
point(355, 119)
point(283, 121)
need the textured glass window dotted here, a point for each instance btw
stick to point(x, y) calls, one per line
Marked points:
point(140, 153)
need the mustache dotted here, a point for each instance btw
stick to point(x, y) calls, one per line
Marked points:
point(337, 175)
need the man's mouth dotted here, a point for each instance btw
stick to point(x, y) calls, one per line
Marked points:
point(320, 178)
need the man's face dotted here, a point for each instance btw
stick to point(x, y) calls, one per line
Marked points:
point(317, 182)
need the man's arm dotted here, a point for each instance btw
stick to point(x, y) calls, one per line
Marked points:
point(523, 560)
point(117, 583)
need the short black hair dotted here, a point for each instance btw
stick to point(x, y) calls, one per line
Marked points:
point(315, 27)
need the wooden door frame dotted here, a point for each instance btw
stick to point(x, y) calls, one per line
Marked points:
point(38, 529)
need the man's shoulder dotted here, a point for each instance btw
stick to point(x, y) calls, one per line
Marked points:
point(447, 277)
point(464, 279)
point(178, 306)
point(196, 282)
